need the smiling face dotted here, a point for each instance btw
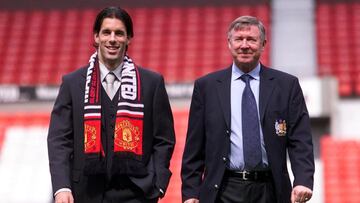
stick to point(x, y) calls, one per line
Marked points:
point(112, 40)
point(246, 46)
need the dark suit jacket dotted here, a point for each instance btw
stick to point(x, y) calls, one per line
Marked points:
point(208, 138)
point(66, 139)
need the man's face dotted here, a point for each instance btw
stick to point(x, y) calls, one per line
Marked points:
point(246, 47)
point(112, 40)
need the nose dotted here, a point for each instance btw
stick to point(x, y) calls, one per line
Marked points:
point(244, 44)
point(112, 37)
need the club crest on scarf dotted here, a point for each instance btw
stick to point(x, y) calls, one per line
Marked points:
point(127, 136)
point(91, 141)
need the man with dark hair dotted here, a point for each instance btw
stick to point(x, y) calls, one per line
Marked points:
point(242, 121)
point(111, 134)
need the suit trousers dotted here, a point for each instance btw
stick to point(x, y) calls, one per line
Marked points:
point(237, 190)
point(122, 189)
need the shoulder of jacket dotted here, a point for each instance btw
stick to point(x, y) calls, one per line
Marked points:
point(279, 74)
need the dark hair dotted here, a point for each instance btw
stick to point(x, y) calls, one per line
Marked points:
point(114, 12)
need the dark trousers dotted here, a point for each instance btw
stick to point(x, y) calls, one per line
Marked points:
point(123, 190)
point(98, 189)
point(236, 190)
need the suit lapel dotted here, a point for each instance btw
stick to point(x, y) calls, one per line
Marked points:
point(83, 78)
point(223, 90)
point(266, 89)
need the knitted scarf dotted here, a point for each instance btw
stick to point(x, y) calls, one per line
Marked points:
point(128, 133)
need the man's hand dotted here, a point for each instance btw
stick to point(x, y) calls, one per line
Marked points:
point(64, 197)
point(300, 194)
point(192, 200)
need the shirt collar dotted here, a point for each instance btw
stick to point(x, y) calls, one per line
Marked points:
point(237, 73)
point(104, 71)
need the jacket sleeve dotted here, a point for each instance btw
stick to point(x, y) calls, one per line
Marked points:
point(60, 139)
point(300, 146)
point(193, 157)
point(164, 135)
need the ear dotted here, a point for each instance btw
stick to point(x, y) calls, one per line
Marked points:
point(96, 38)
point(263, 45)
point(229, 43)
point(128, 41)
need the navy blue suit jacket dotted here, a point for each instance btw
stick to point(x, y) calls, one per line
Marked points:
point(208, 138)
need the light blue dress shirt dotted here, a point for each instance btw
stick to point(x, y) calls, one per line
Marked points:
point(236, 137)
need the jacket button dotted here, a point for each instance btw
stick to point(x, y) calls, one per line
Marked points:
point(224, 159)
point(227, 132)
point(216, 186)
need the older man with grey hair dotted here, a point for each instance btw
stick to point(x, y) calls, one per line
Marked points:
point(243, 120)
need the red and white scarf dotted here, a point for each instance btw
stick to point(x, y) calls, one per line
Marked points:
point(128, 134)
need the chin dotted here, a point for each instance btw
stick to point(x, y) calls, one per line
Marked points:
point(113, 56)
point(249, 61)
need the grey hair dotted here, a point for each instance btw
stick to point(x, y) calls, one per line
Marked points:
point(244, 21)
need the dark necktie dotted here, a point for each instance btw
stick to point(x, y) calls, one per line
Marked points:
point(250, 127)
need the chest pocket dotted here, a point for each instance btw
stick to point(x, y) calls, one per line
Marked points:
point(279, 122)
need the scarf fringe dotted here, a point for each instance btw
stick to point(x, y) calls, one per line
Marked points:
point(128, 166)
point(94, 167)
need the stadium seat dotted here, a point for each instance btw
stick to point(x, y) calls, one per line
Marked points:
point(341, 162)
point(182, 43)
point(338, 43)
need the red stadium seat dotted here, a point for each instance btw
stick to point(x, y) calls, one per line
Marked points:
point(341, 166)
point(338, 43)
point(181, 43)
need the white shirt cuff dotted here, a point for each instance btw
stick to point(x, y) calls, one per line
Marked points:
point(62, 190)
